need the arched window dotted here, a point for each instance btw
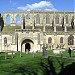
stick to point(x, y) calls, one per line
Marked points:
point(37, 19)
point(57, 19)
point(8, 20)
point(71, 40)
point(47, 19)
point(49, 40)
point(66, 19)
point(27, 17)
point(5, 41)
point(17, 19)
point(61, 40)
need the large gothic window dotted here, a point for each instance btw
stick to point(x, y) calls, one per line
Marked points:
point(37, 19)
point(71, 40)
point(17, 19)
point(61, 40)
point(57, 19)
point(49, 40)
point(8, 20)
point(66, 19)
point(5, 41)
point(47, 19)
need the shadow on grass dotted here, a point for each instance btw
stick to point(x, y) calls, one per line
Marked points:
point(24, 70)
point(48, 68)
point(68, 70)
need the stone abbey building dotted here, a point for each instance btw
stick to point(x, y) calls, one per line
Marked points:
point(54, 29)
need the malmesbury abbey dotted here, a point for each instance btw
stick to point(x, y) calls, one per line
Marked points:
point(54, 29)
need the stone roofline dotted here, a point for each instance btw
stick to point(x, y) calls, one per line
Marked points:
point(37, 11)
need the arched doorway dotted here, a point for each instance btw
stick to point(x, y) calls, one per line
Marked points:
point(26, 45)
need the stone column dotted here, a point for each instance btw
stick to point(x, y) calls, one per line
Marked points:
point(4, 18)
point(66, 41)
point(33, 22)
point(44, 28)
point(54, 26)
point(55, 41)
point(12, 20)
point(60, 18)
point(54, 22)
point(44, 38)
point(65, 28)
point(43, 23)
point(16, 41)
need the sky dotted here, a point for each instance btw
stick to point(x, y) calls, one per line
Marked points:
point(27, 5)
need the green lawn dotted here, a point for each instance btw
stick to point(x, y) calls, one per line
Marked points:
point(29, 65)
point(64, 53)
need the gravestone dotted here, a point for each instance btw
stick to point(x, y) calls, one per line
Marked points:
point(44, 51)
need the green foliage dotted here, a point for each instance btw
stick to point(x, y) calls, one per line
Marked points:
point(29, 65)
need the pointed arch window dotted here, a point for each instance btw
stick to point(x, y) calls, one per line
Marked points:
point(8, 19)
point(57, 19)
point(5, 41)
point(47, 19)
point(37, 19)
point(71, 40)
point(49, 40)
point(61, 40)
point(66, 19)
point(17, 19)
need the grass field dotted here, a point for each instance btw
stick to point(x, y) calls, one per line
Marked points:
point(64, 53)
point(29, 65)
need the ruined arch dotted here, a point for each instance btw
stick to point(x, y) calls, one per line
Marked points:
point(8, 19)
point(18, 19)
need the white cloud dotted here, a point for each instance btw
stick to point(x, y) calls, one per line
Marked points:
point(43, 5)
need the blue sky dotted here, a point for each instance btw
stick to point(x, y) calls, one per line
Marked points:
point(8, 5)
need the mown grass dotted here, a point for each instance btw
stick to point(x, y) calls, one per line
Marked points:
point(64, 53)
point(29, 65)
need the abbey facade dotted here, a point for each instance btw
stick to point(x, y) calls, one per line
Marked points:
point(54, 29)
